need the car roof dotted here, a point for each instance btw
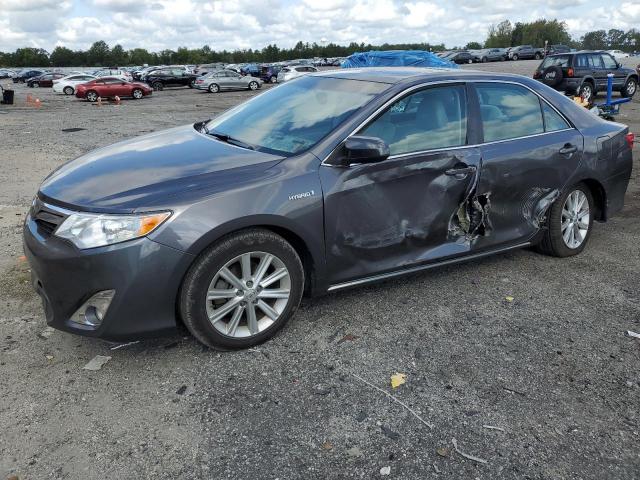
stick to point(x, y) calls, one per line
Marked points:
point(395, 75)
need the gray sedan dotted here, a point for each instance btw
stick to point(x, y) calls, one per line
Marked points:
point(227, 80)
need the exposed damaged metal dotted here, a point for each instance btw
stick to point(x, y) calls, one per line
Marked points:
point(471, 219)
point(535, 211)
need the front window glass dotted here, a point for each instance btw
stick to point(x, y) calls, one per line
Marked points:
point(609, 62)
point(429, 119)
point(293, 117)
point(508, 111)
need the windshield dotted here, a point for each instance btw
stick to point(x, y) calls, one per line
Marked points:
point(293, 117)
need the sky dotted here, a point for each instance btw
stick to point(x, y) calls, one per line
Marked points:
point(233, 24)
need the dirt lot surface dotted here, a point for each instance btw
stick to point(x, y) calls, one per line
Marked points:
point(533, 345)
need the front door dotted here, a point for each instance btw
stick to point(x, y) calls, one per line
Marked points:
point(402, 211)
point(529, 154)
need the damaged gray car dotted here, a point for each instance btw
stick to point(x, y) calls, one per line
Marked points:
point(330, 181)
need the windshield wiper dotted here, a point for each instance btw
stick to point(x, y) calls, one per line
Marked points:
point(229, 139)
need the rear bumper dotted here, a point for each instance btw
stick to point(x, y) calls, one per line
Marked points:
point(145, 275)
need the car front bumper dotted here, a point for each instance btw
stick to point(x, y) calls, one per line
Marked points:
point(145, 275)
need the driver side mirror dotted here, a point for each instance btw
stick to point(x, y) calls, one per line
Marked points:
point(361, 149)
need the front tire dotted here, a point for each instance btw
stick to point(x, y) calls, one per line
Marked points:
point(274, 79)
point(157, 86)
point(253, 85)
point(538, 56)
point(514, 57)
point(68, 90)
point(137, 93)
point(91, 96)
point(213, 88)
point(242, 290)
point(630, 88)
point(569, 223)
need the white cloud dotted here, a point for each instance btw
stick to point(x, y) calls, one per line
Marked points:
point(224, 24)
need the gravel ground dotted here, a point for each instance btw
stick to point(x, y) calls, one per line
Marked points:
point(552, 368)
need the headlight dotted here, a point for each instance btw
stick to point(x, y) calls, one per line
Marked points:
point(90, 230)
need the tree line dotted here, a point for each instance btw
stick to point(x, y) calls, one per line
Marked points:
point(504, 34)
point(101, 55)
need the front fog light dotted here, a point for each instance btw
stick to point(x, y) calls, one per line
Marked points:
point(93, 311)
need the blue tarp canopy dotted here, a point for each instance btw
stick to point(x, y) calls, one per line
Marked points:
point(396, 58)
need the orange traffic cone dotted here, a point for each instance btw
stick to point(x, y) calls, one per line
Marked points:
point(38, 103)
point(99, 101)
point(117, 99)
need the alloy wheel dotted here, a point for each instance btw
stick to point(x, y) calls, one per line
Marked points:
point(248, 294)
point(575, 219)
point(137, 94)
point(631, 88)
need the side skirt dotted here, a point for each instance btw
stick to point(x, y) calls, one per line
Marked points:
point(419, 268)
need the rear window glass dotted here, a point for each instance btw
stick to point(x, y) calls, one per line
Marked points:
point(508, 111)
point(556, 60)
point(552, 120)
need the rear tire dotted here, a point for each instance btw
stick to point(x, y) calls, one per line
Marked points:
point(273, 79)
point(515, 56)
point(68, 90)
point(158, 86)
point(630, 88)
point(208, 309)
point(554, 243)
point(538, 56)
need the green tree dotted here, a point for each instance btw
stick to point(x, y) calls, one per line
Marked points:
point(30, 57)
point(499, 35)
point(62, 57)
point(118, 56)
point(616, 39)
point(98, 55)
point(473, 46)
point(596, 40)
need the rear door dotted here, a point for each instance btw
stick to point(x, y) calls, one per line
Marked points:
point(529, 152)
point(402, 211)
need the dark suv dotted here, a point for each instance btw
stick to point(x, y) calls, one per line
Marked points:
point(585, 73)
point(170, 77)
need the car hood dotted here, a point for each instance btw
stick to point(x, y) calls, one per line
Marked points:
point(153, 171)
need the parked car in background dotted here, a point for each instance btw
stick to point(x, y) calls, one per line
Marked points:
point(24, 75)
point(67, 85)
point(289, 73)
point(44, 80)
point(558, 48)
point(525, 52)
point(170, 77)
point(138, 75)
point(226, 80)
point(6, 73)
point(251, 69)
point(492, 55)
point(114, 72)
point(336, 180)
point(109, 87)
point(585, 73)
point(208, 68)
point(618, 54)
point(269, 73)
point(460, 57)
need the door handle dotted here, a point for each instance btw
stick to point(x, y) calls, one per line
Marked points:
point(568, 149)
point(460, 172)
